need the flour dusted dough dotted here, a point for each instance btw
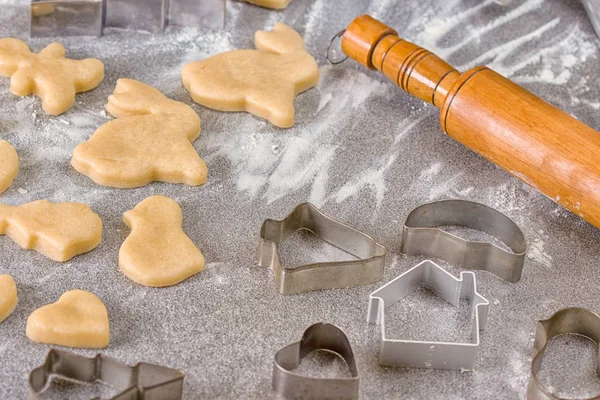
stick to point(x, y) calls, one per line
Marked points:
point(149, 141)
point(48, 74)
point(8, 296)
point(275, 4)
point(77, 319)
point(158, 252)
point(263, 82)
point(9, 165)
point(59, 231)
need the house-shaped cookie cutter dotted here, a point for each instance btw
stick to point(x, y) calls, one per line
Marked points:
point(90, 17)
point(429, 354)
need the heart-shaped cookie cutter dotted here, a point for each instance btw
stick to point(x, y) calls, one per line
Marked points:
point(142, 382)
point(326, 275)
point(293, 386)
point(422, 236)
point(575, 320)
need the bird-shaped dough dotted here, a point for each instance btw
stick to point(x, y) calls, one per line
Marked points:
point(9, 165)
point(263, 82)
point(48, 74)
point(8, 296)
point(158, 252)
point(274, 4)
point(149, 141)
point(60, 231)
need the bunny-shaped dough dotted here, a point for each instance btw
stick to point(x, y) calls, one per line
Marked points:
point(48, 74)
point(149, 141)
point(263, 82)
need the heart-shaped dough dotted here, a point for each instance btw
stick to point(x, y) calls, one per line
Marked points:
point(8, 296)
point(77, 319)
point(59, 231)
point(9, 165)
point(157, 252)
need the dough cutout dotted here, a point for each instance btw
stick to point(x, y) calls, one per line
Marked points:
point(9, 165)
point(78, 319)
point(263, 82)
point(60, 231)
point(48, 74)
point(157, 252)
point(274, 4)
point(149, 141)
point(8, 296)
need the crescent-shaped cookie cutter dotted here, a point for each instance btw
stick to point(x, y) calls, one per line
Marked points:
point(575, 320)
point(326, 275)
point(422, 236)
point(142, 382)
point(319, 336)
point(428, 354)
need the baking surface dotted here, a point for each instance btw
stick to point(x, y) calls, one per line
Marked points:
point(363, 151)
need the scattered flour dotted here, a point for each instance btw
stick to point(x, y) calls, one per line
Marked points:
point(536, 253)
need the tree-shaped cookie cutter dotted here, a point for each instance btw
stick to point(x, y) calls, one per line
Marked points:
point(575, 320)
point(429, 354)
point(422, 236)
point(291, 385)
point(325, 275)
point(142, 382)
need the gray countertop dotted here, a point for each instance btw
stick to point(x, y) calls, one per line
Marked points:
point(363, 151)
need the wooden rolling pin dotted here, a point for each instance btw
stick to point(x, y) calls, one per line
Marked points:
point(511, 127)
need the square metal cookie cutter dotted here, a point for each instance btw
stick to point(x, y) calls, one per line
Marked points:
point(325, 275)
point(142, 382)
point(427, 354)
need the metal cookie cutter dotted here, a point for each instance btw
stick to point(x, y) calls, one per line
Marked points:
point(421, 236)
point(578, 321)
point(293, 386)
point(420, 354)
point(325, 275)
point(142, 382)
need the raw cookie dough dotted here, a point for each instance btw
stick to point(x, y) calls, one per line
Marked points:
point(149, 141)
point(77, 319)
point(274, 4)
point(8, 296)
point(59, 231)
point(48, 74)
point(9, 165)
point(157, 252)
point(263, 82)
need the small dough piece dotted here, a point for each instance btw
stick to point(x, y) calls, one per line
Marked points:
point(60, 231)
point(9, 165)
point(78, 319)
point(8, 296)
point(149, 141)
point(274, 4)
point(48, 74)
point(263, 82)
point(157, 252)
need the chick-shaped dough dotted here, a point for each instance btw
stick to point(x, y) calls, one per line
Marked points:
point(263, 82)
point(48, 74)
point(78, 319)
point(274, 4)
point(9, 165)
point(149, 141)
point(60, 231)
point(8, 296)
point(157, 252)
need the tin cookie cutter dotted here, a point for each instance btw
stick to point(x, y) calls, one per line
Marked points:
point(579, 321)
point(319, 336)
point(427, 354)
point(326, 275)
point(142, 382)
point(421, 236)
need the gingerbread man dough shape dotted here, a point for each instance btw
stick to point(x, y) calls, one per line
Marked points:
point(77, 319)
point(60, 231)
point(8, 296)
point(149, 141)
point(157, 252)
point(274, 4)
point(263, 82)
point(48, 74)
point(9, 165)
